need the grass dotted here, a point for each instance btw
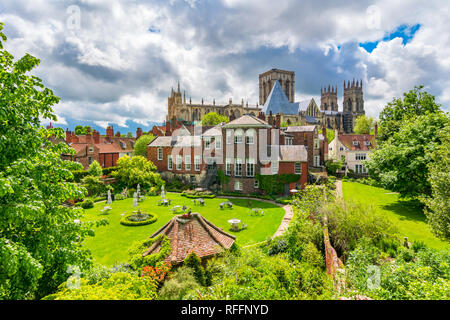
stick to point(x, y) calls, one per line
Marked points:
point(407, 215)
point(110, 244)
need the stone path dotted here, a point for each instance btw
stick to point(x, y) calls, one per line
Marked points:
point(289, 213)
point(339, 193)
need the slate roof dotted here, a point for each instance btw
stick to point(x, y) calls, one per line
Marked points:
point(277, 102)
point(347, 141)
point(195, 234)
point(291, 153)
point(310, 119)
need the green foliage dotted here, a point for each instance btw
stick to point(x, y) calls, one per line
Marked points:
point(438, 203)
point(348, 222)
point(119, 286)
point(311, 255)
point(80, 130)
point(107, 171)
point(363, 125)
point(78, 175)
point(137, 170)
point(194, 262)
point(94, 185)
point(39, 236)
point(333, 166)
point(223, 178)
point(87, 203)
point(180, 283)
point(148, 219)
point(416, 102)
point(402, 163)
point(274, 184)
point(140, 148)
point(330, 134)
point(198, 194)
point(213, 118)
point(95, 169)
point(300, 233)
point(138, 248)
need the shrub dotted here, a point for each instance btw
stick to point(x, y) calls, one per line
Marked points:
point(138, 248)
point(95, 169)
point(94, 185)
point(78, 175)
point(277, 245)
point(193, 261)
point(311, 255)
point(139, 219)
point(87, 204)
point(119, 196)
point(107, 171)
point(179, 284)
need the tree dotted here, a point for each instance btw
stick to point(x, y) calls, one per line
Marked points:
point(363, 125)
point(94, 185)
point(438, 204)
point(333, 166)
point(402, 162)
point(39, 238)
point(129, 135)
point(213, 118)
point(137, 170)
point(79, 130)
point(415, 103)
point(95, 169)
point(140, 148)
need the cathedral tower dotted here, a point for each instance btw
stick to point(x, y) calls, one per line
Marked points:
point(353, 97)
point(267, 81)
point(328, 99)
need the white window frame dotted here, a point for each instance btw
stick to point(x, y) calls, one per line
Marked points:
point(238, 138)
point(228, 163)
point(197, 163)
point(289, 141)
point(179, 162)
point(187, 162)
point(218, 142)
point(91, 149)
point(250, 136)
point(207, 143)
point(160, 154)
point(229, 134)
point(238, 165)
point(298, 168)
point(238, 185)
point(316, 161)
point(275, 167)
point(250, 167)
point(256, 184)
point(316, 144)
point(169, 162)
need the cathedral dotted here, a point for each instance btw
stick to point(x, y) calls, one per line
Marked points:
point(277, 97)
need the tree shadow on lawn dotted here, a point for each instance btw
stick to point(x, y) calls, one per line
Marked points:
point(410, 209)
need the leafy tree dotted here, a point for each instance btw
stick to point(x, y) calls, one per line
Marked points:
point(79, 130)
point(129, 135)
point(332, 166)
point(438, 204)
point(363, 125)
point(39, 238)
point(415, 103)
point(140, 148)
point(193, 261)
point(94, 185)
point(402, 162)
point(95, 169)
point(137, 170)
point(213, 118)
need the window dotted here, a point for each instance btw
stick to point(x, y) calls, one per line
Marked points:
point(169, 162)
point(256, 184)
point(249, 136)
point(229, 133)
point(360, 156)
point(316, 143)
point(218, 141)
point(359, 168)
point(197, 161)
point(238, 136)
point(341, 148)
point(160, 153)
point(238, 167)
point(228, 167)
point(330, 148)
point(355, 143)
point(91, 149)
point(207, 143)
point(238, 185)
point(90, 160)
point(289, 141)
point(179, 161)
point(367, 143)
point(274, 167)
point(298, 168)
point(187, 162)
point(250, 169)
point(193, 179)
point(316, 161)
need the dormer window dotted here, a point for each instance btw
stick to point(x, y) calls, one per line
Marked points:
point(367, 143)
point(123, 145)
point(91, 149)
point(355, 143)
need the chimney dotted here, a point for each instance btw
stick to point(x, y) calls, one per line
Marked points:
point(262, 116)
point(168, 132)
point(96, 136)
point(118, 134)
point(74, 138)
point(375, 130)
point(278, 121)
point(109, 132)
point(88, 136)
point(138, 133)
point(68, 136)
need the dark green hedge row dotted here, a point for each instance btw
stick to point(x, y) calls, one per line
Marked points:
point(124, 221)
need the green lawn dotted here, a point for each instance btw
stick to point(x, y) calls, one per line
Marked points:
point(405, 214)
point(111, 242)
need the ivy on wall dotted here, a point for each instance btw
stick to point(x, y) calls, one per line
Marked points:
point(274, 184)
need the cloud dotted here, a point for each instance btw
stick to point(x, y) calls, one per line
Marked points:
point(122, 61)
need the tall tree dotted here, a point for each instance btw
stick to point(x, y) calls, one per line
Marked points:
point(363, 125)
point(39, 238)
point(415, 103)
point(140, 148)
point(213, 118)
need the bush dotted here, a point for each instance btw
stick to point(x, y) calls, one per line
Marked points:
point(179, 284)
point(312, 256)
point(119, 196)
point(277, 245)
point(193, 261)
point(192, 194)
point(78, 175)
point(138, 248)
point(87, 204)
point(134, 219)
point(94, 185)
point(95, 169)
point(107, 171)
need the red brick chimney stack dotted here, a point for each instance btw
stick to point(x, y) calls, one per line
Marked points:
point(96, 136)
point(278, 121)
point(118, 134)
point(262, 116)
point(138, 133)
point(375, 130)
point(109, 132)
point(68, 136)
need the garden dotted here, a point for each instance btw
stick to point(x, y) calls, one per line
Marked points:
point(111, 242)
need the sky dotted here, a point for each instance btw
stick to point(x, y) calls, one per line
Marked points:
point(115, 62)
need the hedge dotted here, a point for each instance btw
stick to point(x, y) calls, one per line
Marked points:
point(124, 221)
point(78, 175)
point(107, 171)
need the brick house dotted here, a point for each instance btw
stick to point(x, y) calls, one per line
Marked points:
point(354, 148)
point(241, 149)
point(106, 149)
point(309, 137)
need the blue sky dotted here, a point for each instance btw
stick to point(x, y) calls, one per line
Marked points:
point(115, 62)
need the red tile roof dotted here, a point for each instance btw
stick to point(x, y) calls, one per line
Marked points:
point(347, 140)
point(195, 234)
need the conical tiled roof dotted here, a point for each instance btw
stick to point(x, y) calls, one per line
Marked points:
point(193, 234)
point(277, 102)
